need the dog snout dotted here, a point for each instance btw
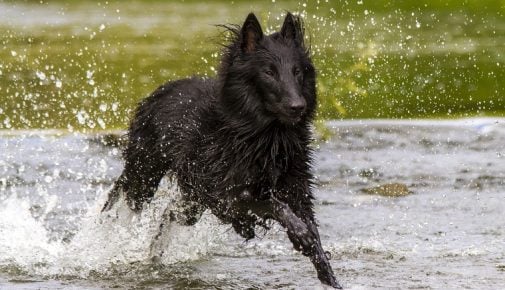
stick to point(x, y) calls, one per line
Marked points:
point(296, 107)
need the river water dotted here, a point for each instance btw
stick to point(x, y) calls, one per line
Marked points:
point(448, 233)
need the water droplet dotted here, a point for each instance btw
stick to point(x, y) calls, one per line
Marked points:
point(82, 116)
point(89, 74)
point(101, 123)
point(41, 75)
point(7, 123)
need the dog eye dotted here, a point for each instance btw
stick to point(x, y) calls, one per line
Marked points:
point(296, 71)
point(270, 73)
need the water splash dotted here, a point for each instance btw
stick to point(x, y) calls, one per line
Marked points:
point(23, 239)
point(104, 241)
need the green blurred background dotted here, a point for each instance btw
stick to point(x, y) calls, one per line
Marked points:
point(83, 66)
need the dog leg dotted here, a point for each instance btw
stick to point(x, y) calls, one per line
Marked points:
point(138, 186)
point(158, 243)
point(320, 259)
point(140, 178)
point(303, 234)
point(189, 214)
point(112, 197)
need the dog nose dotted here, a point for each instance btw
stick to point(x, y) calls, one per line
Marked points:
point(297, 107)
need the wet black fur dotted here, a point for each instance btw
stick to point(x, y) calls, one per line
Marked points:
point(238, 144)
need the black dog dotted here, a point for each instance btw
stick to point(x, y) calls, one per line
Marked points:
point(238, 144)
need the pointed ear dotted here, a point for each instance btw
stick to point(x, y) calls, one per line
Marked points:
point(292, 29)
point(251, 33)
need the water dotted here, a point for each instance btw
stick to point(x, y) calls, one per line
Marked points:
point(449, 233)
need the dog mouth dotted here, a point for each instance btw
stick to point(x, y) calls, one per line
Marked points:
point(284, 115)
point(290, 119)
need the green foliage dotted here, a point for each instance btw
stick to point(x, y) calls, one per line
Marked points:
point(85, 65)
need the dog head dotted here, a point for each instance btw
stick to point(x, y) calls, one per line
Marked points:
point(271, 76)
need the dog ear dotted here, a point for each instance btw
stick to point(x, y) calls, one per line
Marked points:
point(251, 33)
point(292, 29)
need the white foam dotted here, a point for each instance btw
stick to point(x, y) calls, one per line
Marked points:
point(24, 241)
point(104, 240)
